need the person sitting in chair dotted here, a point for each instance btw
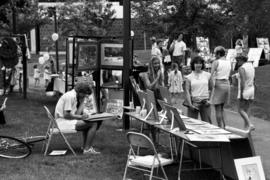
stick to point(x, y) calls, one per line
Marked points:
point(69, 115)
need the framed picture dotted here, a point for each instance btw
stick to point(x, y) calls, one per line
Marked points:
point(249, 168)
point(111, 54)
point(87, 56)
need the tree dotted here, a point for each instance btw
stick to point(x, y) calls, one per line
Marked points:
point(28, 16)
point(191, 17)
point(90, 18)
point(250, 17)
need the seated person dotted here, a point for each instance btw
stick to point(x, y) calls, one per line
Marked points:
point(69, 115)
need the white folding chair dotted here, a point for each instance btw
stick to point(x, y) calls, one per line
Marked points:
point(146, 163)
point(54, 129)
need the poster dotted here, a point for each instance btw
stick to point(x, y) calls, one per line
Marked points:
point(111, 54)
point(231, 54)
point(254, 55)
point(203, 46)
point(264, 44)
point(115, 106)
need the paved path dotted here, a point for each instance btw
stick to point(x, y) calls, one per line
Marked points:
point(261, 137)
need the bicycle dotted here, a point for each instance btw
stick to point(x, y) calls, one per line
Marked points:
point(17, 148)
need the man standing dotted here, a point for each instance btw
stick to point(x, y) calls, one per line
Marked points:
point(178, 48)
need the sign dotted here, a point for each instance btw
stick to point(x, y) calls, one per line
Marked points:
point(115, 106)
point(264, 44)
point(254, 55)
point(203, 46)
point(231, 54)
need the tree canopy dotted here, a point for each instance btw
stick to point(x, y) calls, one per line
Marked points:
point(28, 16)
point(90, 18)
point(216, 19)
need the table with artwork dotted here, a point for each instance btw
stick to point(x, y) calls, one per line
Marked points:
point(231, 146)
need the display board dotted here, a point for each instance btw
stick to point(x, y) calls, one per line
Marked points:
point(254, 55)
point(264, 44)
point(231, 54)
point(203, 46)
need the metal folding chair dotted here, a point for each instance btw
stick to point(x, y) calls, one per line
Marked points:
point(146, 163)
point(54, 129)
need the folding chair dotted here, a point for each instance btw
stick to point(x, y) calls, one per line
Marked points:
point(54, 129)
point(146, 163)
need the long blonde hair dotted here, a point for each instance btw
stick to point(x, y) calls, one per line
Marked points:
point(152, 73)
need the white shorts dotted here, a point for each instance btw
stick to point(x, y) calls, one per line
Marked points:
point(248, 93)
point(66, 124)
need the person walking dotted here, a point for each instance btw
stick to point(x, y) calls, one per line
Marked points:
point(197, 90)
point(246, 89)
point(175, 83)
point(220, 72)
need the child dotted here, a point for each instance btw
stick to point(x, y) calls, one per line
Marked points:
point(47, 75)
point(175, 82)
point(36, 75)
point(2, 115)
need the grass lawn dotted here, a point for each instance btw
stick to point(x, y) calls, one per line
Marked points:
point(27, 117)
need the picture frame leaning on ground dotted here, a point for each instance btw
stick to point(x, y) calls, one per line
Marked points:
point(249, 168)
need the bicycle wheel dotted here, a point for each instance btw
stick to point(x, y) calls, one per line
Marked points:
point(13, 148)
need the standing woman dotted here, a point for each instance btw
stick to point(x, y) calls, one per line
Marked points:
point(220, 72)
point(153, 79)
point(246, 89)
point(197, 90)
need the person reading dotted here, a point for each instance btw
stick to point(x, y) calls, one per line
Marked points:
point(69, 115)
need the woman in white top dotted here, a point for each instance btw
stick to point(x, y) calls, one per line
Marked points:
point(246, 89)
point(220, 72)
point(197, 90)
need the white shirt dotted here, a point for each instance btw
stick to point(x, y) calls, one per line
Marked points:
point(67, 102)
point(46, 74)
point(249, 89)
point(199, 84)
point(223, 69)
point(179, 48)
point(155, 51)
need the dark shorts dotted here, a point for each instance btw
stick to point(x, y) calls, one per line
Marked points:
point(178, 60)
